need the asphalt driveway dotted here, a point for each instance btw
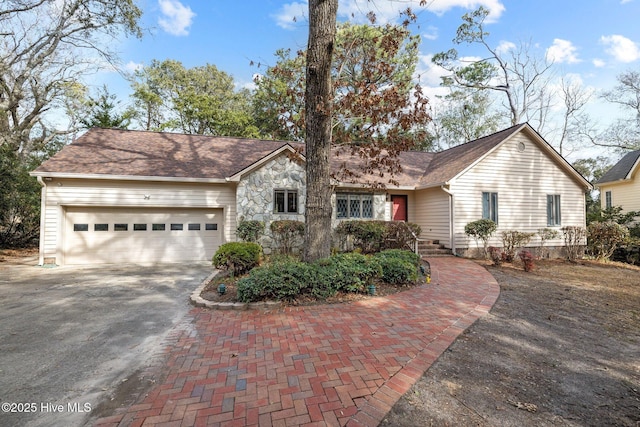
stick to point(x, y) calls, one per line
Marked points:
point(71, 336)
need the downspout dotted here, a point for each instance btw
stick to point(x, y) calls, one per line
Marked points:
point(451, 217)
point(43, 211)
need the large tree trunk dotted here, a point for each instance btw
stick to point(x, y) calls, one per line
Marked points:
point(318, 102)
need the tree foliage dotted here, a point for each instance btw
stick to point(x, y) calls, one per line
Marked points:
point(374, 97)
point(47, 46)
point(199, 100)
point(101, 111)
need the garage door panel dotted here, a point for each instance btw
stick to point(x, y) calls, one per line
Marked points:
point(94, 235)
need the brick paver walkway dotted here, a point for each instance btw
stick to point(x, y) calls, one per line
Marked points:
point(329, 365)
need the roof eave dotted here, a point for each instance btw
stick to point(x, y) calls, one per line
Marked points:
point(65, 175)
point(259, 163)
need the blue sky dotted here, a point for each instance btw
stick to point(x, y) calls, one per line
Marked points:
point(590, 40)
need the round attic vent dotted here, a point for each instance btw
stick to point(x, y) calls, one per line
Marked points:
point(521, 146)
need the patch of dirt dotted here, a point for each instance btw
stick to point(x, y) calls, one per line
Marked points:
point(22, 256)
point(561, 346)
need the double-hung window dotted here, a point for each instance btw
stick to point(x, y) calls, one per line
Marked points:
point(553, 210)
point(490, 206)
point(608, 203)
point(285, 201)
point(351, 205)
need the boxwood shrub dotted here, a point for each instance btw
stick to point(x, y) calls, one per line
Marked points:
point(398, 266)
point(237, 257)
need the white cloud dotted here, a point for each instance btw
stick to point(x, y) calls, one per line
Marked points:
point(431, 33)
point(385, 11)
point(290, 14)
point(177, 18)
point(621, 48)
point(562, 52)
point(133, 66)
point(505, 47)
point(598, 63)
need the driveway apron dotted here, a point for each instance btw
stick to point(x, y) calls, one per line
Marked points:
point(327, 365)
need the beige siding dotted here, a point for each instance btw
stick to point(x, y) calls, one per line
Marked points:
point(62, 193)
point(522, 179)
point(626, 194)
point(432, 215)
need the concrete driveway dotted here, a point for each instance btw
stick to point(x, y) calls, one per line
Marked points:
point(71, 337)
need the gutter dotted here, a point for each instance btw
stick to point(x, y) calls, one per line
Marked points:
point(451, 216)
point(43, 211)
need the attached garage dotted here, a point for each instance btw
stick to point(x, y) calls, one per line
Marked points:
point(95, 235)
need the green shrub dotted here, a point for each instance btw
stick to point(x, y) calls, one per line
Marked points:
point(481, 230)
point(281, 281)
point(375, 236)
point(511, 241)
point(285, 233)
point(605, 237)
point(398, 266)
point(238, 257)
point(250, 230)
point(349, 272)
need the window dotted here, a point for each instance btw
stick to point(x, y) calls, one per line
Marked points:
point(194, 227)
point(354, 205)
point(80, 227)
point(158, 227)
point(211, 227)
point(553, 210)
point(285, 201)
point(177, 227)
point(100, 227)
point(608, 203)
point(139, 227)
point(490, 206)
point(120, 227)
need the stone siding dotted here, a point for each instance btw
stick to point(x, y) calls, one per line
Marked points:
point(255, 194)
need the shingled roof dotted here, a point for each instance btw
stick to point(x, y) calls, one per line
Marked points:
point(620, 170)
point(126, 153)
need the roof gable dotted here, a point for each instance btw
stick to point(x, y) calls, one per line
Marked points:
point(622, 170)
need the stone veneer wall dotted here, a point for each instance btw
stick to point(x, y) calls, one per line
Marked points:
point(255, 194)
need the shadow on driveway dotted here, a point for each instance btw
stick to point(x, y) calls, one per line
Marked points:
point(71, 335)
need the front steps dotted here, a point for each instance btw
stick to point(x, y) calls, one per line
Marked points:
point(432, 248)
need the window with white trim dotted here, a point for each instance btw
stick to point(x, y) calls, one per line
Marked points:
point(490, 206)
point(354, 205)
point(553, 210)
point(608, 202)
point(285, 201)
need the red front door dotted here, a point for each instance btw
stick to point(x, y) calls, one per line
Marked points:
point(399, 207)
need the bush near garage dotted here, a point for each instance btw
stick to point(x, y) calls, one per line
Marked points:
point(237, 257)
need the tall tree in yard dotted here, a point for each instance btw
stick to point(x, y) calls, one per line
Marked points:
point(318, 106)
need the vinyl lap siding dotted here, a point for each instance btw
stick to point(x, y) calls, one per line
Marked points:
point(432, 215)
point(522, 180)
point(626, 195)
point(99, 193)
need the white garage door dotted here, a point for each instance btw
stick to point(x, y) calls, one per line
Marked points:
point(130, 235)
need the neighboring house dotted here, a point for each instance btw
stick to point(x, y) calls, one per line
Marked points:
point(132, 196)
point(620, 186)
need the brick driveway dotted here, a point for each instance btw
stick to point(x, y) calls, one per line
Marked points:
point(328, 365)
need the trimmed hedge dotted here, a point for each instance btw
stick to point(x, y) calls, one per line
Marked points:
point(376, 236)
point(398, 266)
point(238, 257)
point(348, 272)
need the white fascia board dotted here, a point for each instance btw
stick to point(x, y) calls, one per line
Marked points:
point(62, 175)
point(258, 164)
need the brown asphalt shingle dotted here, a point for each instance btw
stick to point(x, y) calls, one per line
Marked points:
point(160, 154)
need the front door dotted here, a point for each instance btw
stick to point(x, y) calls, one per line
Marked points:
point(399, 202)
